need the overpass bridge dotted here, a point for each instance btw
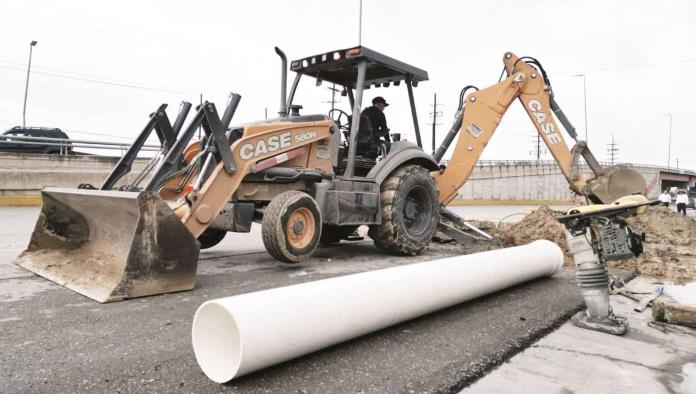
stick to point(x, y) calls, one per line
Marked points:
point(492, 182)
point(541, 181)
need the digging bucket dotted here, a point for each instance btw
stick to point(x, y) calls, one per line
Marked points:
point(111, 245)
point(615, 182)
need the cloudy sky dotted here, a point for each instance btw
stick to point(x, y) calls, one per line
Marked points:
point(100, 67)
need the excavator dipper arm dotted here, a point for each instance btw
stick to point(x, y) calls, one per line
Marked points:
point(483, 112)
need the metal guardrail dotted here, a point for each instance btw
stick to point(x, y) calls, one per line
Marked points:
point(65, 145)
point(483, 163)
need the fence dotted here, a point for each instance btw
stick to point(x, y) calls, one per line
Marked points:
point(483, 163)
point(64, 145)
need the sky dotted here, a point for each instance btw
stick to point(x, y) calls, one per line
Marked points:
point(100, 68)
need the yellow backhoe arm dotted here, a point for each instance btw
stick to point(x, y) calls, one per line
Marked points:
point(483, 112)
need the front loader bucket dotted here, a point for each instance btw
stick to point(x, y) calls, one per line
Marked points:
point(111, 245)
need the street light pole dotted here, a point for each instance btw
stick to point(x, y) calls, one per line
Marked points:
point(584, 94)
point(360, 24)
point(26, 87)
point(669, 141)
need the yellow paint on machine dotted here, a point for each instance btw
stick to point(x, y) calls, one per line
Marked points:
point(20, 201)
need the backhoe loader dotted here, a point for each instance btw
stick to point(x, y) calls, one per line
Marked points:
point(308, 179)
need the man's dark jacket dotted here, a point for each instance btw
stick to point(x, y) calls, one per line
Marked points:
point(378, 121)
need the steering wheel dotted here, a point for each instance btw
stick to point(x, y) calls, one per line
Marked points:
point(343, 126)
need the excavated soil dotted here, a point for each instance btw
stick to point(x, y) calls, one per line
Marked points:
point(669, 248)
point(539, 224)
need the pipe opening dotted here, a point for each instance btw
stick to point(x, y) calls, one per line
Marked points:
point(216, 342)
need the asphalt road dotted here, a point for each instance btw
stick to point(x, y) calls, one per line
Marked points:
point(54, 340)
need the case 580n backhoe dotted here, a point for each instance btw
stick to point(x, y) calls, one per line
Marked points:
point(308, 179)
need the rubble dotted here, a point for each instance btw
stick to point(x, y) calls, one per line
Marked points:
point(669, 248)
point(539, 224)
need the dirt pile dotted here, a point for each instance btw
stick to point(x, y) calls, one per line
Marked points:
point(539, 224)
point(669, 248)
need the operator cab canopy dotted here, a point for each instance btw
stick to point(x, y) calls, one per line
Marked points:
point(341, 67)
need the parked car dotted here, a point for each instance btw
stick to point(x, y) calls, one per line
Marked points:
point(41, 146)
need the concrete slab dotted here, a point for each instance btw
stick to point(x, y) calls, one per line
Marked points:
point(572, 359)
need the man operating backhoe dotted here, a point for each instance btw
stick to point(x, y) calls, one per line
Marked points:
point(378, 121)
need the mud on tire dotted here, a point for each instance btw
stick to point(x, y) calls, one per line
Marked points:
point(410, 211)
point(291, 226)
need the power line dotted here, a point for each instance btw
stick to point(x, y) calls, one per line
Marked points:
point(75, 131)
point(97, 134)
point(627, 66)
point(101, 82)
point(602, 68)
point(67, 72)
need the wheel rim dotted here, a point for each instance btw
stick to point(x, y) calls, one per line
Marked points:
point(417, 210)
point(300, 228)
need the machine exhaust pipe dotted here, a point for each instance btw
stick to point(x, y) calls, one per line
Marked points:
point(231, 338)
point(283, 112)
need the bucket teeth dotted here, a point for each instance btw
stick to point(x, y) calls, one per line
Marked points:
point(110, 245)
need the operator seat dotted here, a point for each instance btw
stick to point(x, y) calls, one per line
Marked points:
point(365, 141)
point(366, 146)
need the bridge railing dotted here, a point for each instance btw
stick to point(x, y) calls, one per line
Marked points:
point(65, 145)
point(483, 163)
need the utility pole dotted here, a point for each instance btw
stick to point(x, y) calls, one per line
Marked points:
point(538, 150)
point(265, 113)
point(434, 115)
point(26, 87)
point(333, 100)
point(669, 141)
point(613, 150)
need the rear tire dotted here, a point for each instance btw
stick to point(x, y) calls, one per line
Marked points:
point(211, 237)
point(410, 211)
point(291, 226)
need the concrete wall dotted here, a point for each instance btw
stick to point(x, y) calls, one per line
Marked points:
point(26, 175)
point(532, 181)
point(490, 182)
point(516, 181)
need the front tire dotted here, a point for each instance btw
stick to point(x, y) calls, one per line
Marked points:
point(410, 211)
point(291, 226)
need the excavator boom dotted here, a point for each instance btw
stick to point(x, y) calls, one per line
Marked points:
point(482, 111)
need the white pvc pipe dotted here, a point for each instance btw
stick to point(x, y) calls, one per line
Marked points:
point(237, 335)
